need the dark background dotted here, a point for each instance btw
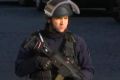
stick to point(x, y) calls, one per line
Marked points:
point(101, 32)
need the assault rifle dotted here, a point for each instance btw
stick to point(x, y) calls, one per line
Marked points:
point(66, 66)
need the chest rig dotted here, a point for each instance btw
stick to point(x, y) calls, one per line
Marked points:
point(68, 47)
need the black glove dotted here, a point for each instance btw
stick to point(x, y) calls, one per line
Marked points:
point(44, 63)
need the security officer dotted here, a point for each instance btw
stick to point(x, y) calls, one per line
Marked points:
point(33, 62)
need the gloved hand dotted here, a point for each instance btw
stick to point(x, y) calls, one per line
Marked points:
point(44, 63)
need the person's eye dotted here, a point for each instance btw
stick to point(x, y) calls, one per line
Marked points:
point(66, 17)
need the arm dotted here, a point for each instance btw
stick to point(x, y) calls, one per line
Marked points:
point(29, 60)
point(25, 63)
point(84, 59)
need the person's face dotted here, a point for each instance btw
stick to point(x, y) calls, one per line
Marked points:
point(60, 23)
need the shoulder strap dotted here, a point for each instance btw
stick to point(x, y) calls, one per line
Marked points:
point(69, 46)
point(70, 37)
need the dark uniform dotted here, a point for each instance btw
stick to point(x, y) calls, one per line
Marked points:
point(33, 62)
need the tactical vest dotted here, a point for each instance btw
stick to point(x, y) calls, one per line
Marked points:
point(67, 50)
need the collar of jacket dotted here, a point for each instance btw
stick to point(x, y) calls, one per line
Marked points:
point(52, 33)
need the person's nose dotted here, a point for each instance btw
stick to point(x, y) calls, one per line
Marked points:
point(62, 21)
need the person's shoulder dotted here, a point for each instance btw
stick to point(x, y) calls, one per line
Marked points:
point(36, 33)
point(33, 33)
point(29, 36)
point(79, 38)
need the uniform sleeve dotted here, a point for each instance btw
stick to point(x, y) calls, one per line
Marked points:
point(25, 63)
point(84, 59)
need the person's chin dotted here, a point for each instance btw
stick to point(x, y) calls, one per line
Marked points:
point(61, 31)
